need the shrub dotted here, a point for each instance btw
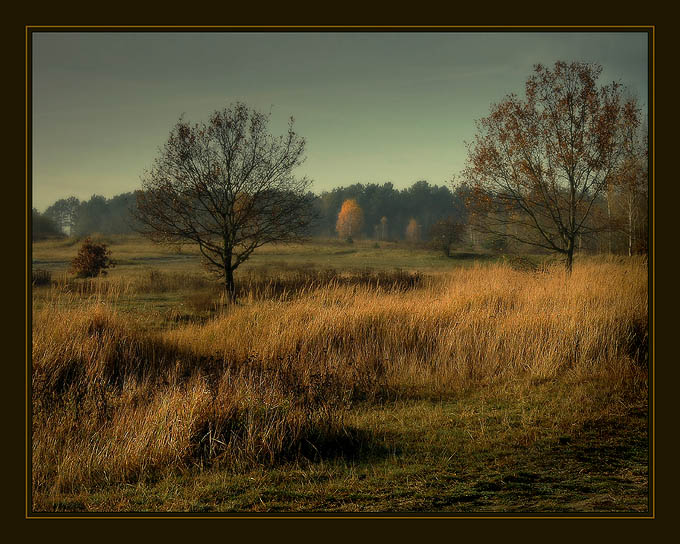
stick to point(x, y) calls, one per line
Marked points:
point(92, 260)
point(41, 277)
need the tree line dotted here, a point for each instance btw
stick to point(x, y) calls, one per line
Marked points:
point(80, 218)
point(386, 212)
point(618, 222)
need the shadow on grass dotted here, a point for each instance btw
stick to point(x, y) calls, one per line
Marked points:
point(463, 256)
point(351, 444)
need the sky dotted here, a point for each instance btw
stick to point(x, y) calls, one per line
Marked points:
point(373, 107)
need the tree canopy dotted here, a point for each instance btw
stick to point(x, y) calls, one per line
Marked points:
point(228, 186)
point(350, 219)
point(538, 165)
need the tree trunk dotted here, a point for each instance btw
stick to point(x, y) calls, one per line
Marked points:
point(229, 285)
point(609, 225)
point(630, 228)
point(570, 258)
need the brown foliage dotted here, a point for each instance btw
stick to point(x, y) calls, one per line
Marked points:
point(92, 260)
point(538, 165)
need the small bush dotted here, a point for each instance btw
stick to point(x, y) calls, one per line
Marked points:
point(92, 260)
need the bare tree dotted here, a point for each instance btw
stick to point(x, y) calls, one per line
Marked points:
point(445, 233)
point(538, 166)
point(228, 186)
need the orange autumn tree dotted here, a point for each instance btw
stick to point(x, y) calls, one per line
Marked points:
point(350, 219)
point(413, 231)
point(539, 165)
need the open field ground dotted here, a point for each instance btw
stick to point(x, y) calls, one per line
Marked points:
point(349, 378)
point(135, 255)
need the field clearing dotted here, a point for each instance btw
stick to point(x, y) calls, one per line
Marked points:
point(133, 253)
point(453, 385)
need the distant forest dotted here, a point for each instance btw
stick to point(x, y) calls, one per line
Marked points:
point(388, 214)
point(425, 203)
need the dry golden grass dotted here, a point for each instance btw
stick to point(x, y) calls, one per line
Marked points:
point(471, 326)
point(274, 379)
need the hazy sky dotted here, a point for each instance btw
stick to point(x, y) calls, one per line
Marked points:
point(374, 107)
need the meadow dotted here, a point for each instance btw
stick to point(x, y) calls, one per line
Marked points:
point(348, 378)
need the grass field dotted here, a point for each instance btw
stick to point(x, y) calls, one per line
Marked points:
point(347, 378)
